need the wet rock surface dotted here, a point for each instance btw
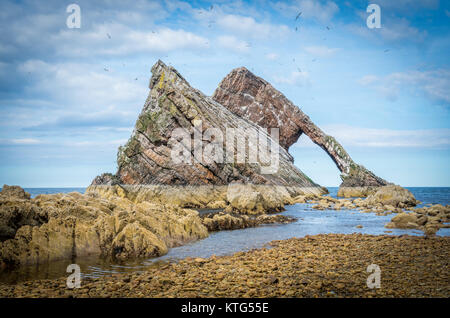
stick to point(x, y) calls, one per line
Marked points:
point(428, 219)
point(332, 265)
point(64, 226)
point(226, 221)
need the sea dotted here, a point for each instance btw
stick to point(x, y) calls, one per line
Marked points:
point(309, 222)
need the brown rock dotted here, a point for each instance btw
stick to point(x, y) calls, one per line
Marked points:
point(253, 98)
point(391, 195)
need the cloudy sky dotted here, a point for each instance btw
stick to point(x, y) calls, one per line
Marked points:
point(70, 97)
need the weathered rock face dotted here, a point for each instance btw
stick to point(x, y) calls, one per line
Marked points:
point(172, 104)
point(64, 226)
point(393, 195)
point(427, 219)
point(225, 221)
point(235, 197)
point(253, 98)
point(16, 192)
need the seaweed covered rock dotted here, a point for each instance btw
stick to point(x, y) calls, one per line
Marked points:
point(428, 219)
point(226, 221)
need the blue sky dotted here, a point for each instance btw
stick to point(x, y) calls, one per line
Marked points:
point(70, 97)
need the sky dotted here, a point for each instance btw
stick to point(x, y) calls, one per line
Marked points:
point(69, 97)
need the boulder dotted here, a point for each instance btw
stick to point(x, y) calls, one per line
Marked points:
point(405, 221)
point(393, 195)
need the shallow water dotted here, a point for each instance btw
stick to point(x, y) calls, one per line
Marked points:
point(310, 222)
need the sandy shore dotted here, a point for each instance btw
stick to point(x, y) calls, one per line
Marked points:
point(332, 265)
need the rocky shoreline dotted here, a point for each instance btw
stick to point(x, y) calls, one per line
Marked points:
point(332, 265)
point(130, 222)
point(127, 222)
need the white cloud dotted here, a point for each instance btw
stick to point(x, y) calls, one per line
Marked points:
point(272, 56)
point(392, 30)
point(434, 84)
point(232, 43)
point(25, 141)
point(408, 5)
point(92, 144)
point(248, 27)
point(368, 79)
point(350, 136)
point(322, 51)
point(401, 29)
point(81, 85)
point(294, 78)
point(125, 40)
point(320, 11)
point(317, 10)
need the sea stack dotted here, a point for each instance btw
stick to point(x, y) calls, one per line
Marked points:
point(147, 169)
point(256, 100)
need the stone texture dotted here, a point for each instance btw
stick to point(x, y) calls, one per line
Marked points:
point(427, 219)
point(253, 98)
point(393, 195)
point(331, 265)
point(236, 197)
point(64, 226)
point(15, 192)
point(225, 221)
point(172, 103)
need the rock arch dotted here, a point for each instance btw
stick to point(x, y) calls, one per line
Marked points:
point(254, 99)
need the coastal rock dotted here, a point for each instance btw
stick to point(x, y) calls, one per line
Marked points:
point(392, 195)
point(65, 226)
point(13, 192)
point(352, 192)
point(244, 197)
point(256, 199)
point(428, 219)
point(404, 221)
point(172, 104)
point(226, 221)
point(148, 171)
point(253, 98)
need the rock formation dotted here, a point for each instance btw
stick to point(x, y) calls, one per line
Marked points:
point(172, 105)
point(66, 226)
point(427, 219)
point(253, 98)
